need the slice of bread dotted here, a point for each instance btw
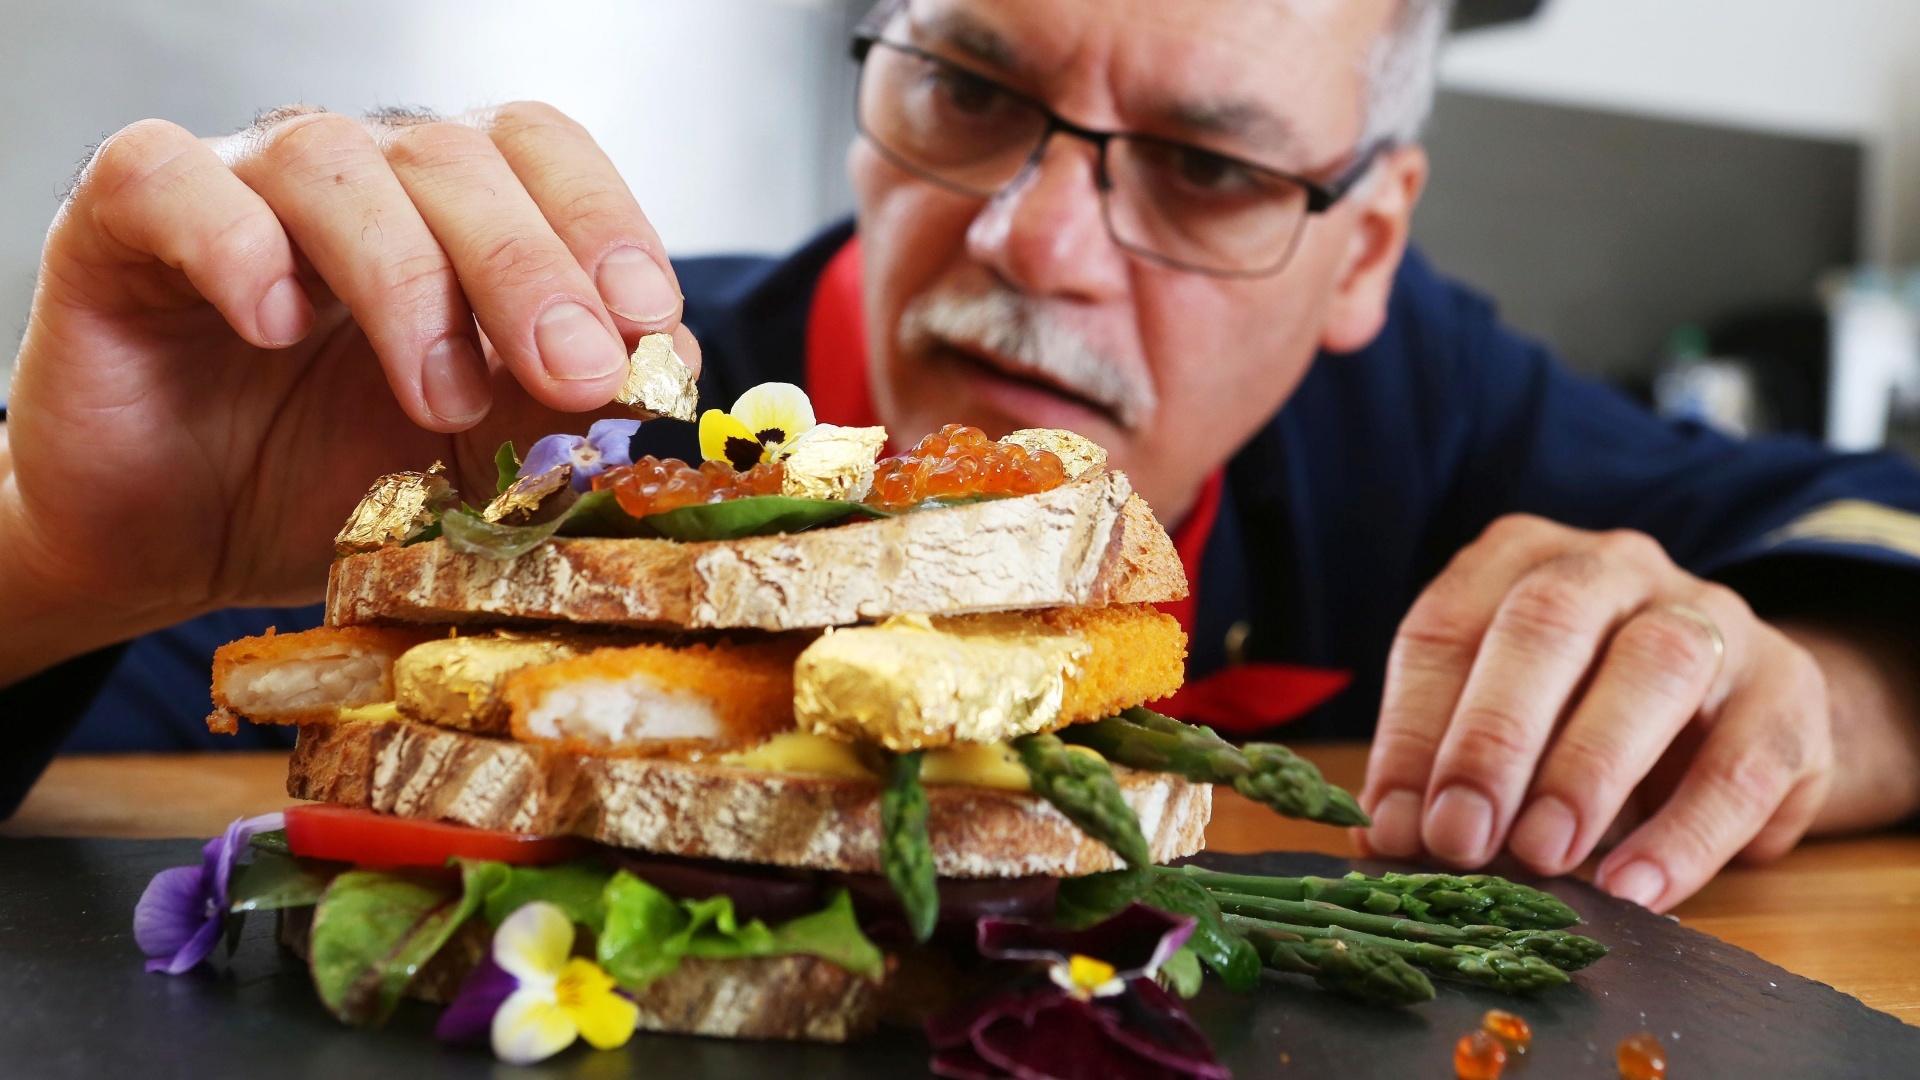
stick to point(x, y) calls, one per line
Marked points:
point(1088, 542)
point(712, 811)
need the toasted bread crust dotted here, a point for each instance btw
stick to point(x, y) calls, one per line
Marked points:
point(1090, 541)
point(710, 811)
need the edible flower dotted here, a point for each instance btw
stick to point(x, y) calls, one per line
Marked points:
point(181, 914)
point(533, 997)
point(760, 427)
point(606, 445)
point(1098, 1011)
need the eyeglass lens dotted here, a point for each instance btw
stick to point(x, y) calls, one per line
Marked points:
point(1167, 200)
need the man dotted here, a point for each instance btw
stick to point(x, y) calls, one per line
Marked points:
point(1138, 219)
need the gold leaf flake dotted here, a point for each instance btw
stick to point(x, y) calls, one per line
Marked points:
point(832, 462)
point(1078, 453)
point(393, 509)
point(657, 382)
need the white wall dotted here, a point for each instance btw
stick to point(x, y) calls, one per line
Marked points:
point(723, 115)
point(1833, 68)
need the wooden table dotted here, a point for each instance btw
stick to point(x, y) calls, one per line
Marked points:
point(1845, 912)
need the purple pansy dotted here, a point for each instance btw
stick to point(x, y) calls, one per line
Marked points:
point(605, 446)
point(1099, 1012)
point(470, 1017)
point(179, 918)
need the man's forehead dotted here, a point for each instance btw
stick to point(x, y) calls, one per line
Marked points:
point(1242, 69)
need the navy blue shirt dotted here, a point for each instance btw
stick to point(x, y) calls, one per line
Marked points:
point(1381, 466)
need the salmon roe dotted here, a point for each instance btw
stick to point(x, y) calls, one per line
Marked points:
point(1641, 1057)
point(957, 462)
point(1478, 1056)
point(1511, 1030)
point(653, 486)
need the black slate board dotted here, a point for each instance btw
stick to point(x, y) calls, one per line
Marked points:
point(75, 1002)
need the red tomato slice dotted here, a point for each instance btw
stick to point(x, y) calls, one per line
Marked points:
point(344, 834)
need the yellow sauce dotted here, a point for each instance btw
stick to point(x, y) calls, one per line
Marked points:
point(381, 710)
point(990, 765)
point(801, 752)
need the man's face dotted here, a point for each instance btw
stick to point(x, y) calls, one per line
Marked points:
point(1170, 370)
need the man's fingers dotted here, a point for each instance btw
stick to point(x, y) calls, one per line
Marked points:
point(333, 191)
point(589, 206)
point(1432, 654)
point(537, 305)
point(1540, 645)
point(1656, 673)
point(157, 192)
point(1760, 776)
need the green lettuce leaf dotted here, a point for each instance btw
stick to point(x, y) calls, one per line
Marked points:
point(647, 933)
point(756, 515)
point(577, 888)
point(372, 932)
point(273, 881)
point(506, 466)
point(275, 841)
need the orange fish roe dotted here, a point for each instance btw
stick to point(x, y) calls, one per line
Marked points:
point(1641, 1057)
point(1478, 1056)
point(1511, 1030)
point(960, 461)
point(653, 486)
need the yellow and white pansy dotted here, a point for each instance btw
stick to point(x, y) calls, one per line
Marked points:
point(1086, 977)
point(560, 996)
point(760, 426)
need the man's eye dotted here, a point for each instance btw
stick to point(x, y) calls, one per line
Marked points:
point(1211, 173)
point(968, 94)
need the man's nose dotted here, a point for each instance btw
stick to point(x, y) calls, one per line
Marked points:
point(1045, 235)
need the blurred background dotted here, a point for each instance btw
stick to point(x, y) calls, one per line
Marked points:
point(1709, 202)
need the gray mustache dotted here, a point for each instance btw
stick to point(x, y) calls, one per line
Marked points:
point(1008, 324)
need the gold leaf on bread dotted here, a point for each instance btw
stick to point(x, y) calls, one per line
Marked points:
point(658, 382)
point(1078, 453)
point(393, 509)
point(828, 461)
point(520, 503)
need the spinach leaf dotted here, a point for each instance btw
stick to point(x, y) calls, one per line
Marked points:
point(273, 881)
point(506, 467)
point(372, 932)
point(755, 515)
point(275, 841)
point(598, 513)
point(471, 534)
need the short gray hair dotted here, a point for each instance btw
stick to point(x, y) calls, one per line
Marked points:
point(1403, 72)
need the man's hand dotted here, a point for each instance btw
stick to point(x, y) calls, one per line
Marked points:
point(231, 338)
point(1553, 686)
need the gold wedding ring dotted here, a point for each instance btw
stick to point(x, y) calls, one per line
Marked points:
point(1705, 622)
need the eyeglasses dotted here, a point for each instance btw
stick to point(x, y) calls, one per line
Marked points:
point(1166, 201)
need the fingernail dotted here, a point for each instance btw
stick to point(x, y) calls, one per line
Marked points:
point(575, 346)
point(454, 381)
point(1544, 833)
point(1459, 826)
point(1639, 881)
point(284, 314)
point(1396, 824)
point(635, 288)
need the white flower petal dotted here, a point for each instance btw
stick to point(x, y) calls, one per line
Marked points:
point(533, 943)
point(531, 1026)
point(774, 407)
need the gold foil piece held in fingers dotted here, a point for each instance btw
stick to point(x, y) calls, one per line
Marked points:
point(657, 381)
point(828, 461)
point(913, 683)
point(457, 682)
point(393, 509)
point(1078, 453)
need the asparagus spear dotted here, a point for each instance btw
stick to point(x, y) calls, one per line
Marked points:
point(1496, 969)
point(1370, 974)
point(905, 851)
point(1449, 899)
point(1264, 772)
point(1082, 787)
point(1568, 952)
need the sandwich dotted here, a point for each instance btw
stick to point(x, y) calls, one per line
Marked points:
point(771, 744)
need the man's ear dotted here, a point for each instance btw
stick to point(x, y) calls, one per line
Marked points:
point(1384, 206)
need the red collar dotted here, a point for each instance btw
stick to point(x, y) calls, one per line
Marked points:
point(1241, 699)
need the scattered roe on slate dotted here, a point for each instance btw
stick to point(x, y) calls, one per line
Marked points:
point(1511, 1030)
point(1641, 1057)
point(1478, 1056)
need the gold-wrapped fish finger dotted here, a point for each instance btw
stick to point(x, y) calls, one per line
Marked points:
point(457, 682)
